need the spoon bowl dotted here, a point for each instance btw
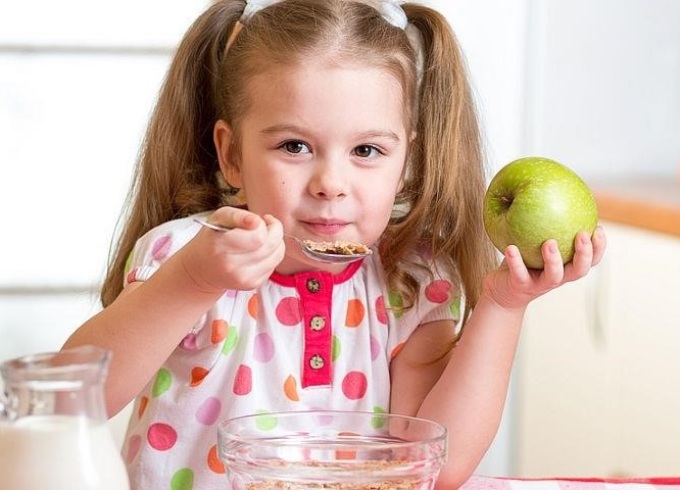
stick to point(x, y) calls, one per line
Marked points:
point(307, 247)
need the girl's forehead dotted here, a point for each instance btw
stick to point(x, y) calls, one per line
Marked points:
point(321, 63)
point(330, 95)
point(312, 73)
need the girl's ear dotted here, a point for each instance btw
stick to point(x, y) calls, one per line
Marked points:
point(223, 139)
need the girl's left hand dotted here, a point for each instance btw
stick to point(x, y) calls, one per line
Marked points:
point(513, 285)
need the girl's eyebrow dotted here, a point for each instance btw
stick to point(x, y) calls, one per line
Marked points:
point(390, 135)
point(291, 128)
point(282, 128)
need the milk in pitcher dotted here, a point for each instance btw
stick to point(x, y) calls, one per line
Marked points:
point(51, 452)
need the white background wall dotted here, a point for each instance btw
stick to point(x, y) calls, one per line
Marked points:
point(593, 83)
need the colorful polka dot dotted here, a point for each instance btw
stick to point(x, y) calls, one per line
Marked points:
point(375, 348)
point(141, 408)
point(454, 307)
point(290, 389)
point(381, 310)
point(214, 462)
point(209, 411)
point(397, 303)
point(161, 247)
point(230, 341)
point(243, 381)
point(438, 291)
point(198, 374)
point(189, 342)
point(336, 348)
point(265, 422)
point(323, 419)
point(289, 312)
point(346, 453)
point(355, 313)
point(354, 385)
point(182, 480)
point(378, 422)
point(397, 350)
point(162, 382)
point(128, 262)
point(134, 444)
point(218, 331)
point(253, 304)
point(263, 348)
point(131, 276)
point(161, 436)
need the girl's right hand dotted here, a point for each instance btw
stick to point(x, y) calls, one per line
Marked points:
point(242, 258)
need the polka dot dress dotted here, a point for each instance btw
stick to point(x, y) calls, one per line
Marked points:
point(307, 341)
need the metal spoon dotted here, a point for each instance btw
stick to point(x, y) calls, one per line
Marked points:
point(307, 247)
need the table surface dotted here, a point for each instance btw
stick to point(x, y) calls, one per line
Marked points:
point(647, 202)
point(487, 483)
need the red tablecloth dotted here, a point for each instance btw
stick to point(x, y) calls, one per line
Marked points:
point(486, 483)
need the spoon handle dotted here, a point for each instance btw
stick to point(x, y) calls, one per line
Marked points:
point(306, 247)
point(212, 226)
point(215, 227)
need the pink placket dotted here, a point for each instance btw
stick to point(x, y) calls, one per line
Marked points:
point(315, 290)
point(316, 298)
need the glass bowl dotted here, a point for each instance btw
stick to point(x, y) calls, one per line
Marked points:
point(323, 449)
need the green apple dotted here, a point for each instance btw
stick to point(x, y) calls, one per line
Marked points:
point(533, 199)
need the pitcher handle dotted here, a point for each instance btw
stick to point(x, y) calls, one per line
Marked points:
point(4, 414)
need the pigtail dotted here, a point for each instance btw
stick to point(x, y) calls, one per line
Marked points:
point(447, 180)
point(177, 164)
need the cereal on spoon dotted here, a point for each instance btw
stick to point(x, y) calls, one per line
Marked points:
point(338, 247)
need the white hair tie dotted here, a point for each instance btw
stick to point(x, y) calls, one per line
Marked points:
point(393, 13)
point(390, 9)
point(254, 6)
point(251, 8)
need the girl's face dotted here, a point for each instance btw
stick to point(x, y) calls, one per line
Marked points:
point(323, 150)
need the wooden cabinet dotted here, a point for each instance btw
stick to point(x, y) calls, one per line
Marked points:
point(598, 370)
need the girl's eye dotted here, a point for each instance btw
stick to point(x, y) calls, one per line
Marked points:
point(295, 147)
point(366, 151)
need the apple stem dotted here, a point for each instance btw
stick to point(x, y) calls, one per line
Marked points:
point(506, 201)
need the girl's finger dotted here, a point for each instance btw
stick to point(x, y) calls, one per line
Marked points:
point(232, 217)
point(599, 240)
point(553, 267)
point(513, 260)
point(583, 256)
point(272, 223)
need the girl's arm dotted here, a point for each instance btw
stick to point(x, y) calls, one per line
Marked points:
point(466, 390)
point(148, 320)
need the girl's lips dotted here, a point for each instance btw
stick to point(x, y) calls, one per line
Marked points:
point(326, 228)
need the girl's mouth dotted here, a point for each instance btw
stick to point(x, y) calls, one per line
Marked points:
point(326, 228)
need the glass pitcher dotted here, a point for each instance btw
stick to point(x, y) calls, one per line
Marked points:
point(53, 430)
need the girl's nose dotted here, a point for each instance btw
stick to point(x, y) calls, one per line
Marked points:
point(329, 180)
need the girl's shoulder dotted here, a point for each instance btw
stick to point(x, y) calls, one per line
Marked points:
point(439, 295)
point(157, 245)
point(171, 235)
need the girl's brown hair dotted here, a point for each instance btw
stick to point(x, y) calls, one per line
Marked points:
point(441, 202)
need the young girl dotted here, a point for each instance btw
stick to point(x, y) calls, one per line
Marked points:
point(324, 120)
